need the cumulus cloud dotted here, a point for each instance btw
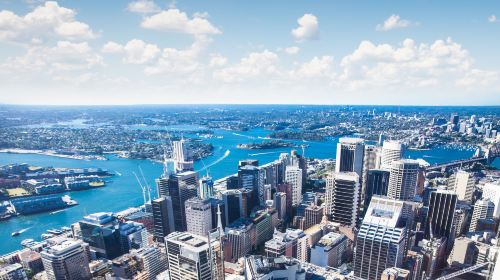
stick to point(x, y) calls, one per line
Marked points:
point(477, 77)
point(112, 47)
point(292, 50)
point(135, 51)
point(174, 20)
point(393, 22)
point(47, 20)
point(143, 7)
point(318, 67)
point(492, 18)
point(307, 29)
point(251, 66)
point(217, 60)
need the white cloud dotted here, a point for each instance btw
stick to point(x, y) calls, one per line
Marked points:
point(292, 50)
point(492, 18)
point(47, 20)
point(307, 29)
point(173, 20)
point(318, 67)
point(251, 66)
point(217, 60)
point(393, 22)
point(112, 47)
point(143, 7)
point(139, 52)
point(476, 77)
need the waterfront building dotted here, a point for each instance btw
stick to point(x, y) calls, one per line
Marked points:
point(391, 151)
point(462, 183)
point(198, 216)
point(492, 192)
point(293, 176)
point(439, 221)
point(206, 188)
point(182, 186)
point(40, 203)
point(187, 250)
point(350, 152)
point(66, 260)
point(101, 232)
point(265, 268)
point(331, 250)
point(381, 240)
point(377, 183)
point(163, 219)
point(483, 209)
point(182, 156)
point(13, 271)
point(403, 179)
point(341, 198)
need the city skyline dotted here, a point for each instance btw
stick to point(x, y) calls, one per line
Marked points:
point(222, 52)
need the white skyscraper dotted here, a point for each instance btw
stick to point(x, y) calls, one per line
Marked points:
point(66, 260)
point(403, 179)
point(483, 209)
point(391, 151)
point(182, 156)
point(492, 192)
point(198, 216)
point(153, 261)
point(350, 152)
point(381, 240)
point(342, 197)
point(462, 183)
point(293, 176)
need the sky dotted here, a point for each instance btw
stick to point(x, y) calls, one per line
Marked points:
point(96, 52)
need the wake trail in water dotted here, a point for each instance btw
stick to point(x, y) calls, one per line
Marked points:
point(266, 153)
point(24, 229)
point(226, 154)
point(246, 136)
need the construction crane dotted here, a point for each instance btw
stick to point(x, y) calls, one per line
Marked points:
point(463, 271)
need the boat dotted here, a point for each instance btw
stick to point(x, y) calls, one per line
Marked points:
point(15, 233)
point(54, 231)
point(46, 236)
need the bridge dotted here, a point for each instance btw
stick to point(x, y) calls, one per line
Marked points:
point(490, 154)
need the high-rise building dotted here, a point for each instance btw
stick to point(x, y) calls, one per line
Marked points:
point(162, 186)
point(198, 216)
point(377, 183)
point(293, 176)
point(206, 188)
point(492, 192)
point(163, 218)
point(463, 213)
point(403, 179)
point(132, 236)
point(341, 198)
point(101, 232)
point(395, 273)
point(434, 253)
point(13, 271)
point(284, 243)
point(313, 215)
point(331, 250)
point(391, 151)
point(240, 239)
point(66, 260)
point(233, 209)
point(280, 204)
point(252, 178)
point(287, 189)
point(350, 152)
point(370, 161)
point(462, 183)
point(153, 261)
point(439, 221)
point(259, 267)
point(381, 240)
point(483, 209)
point(299, 161)
point(182, 156)
point(182, 186)
point(192, 257)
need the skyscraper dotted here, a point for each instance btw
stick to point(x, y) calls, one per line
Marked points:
point(182, 156)
point(206, 187)
point(439, 222)
point(492, 192)
point(280, 204)
point(163, 219)
point(182, 186)
point(350, 152)
point(232, 201)
point(391, 151)
point(153, 261)
point(293, 176)
point(66, 260)
point(192, 257)
point(377, 183)
point(101, 232)
point(198, 216)
point(342, 197)
point(462, 183)
point(403, 179)
point(483, 209)
point(381, 240)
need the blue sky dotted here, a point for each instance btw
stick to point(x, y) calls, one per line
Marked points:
point(307, 52)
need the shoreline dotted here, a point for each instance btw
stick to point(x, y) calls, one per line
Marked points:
point(51, 153)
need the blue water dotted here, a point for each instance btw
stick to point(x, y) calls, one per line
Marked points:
point(123, 191)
